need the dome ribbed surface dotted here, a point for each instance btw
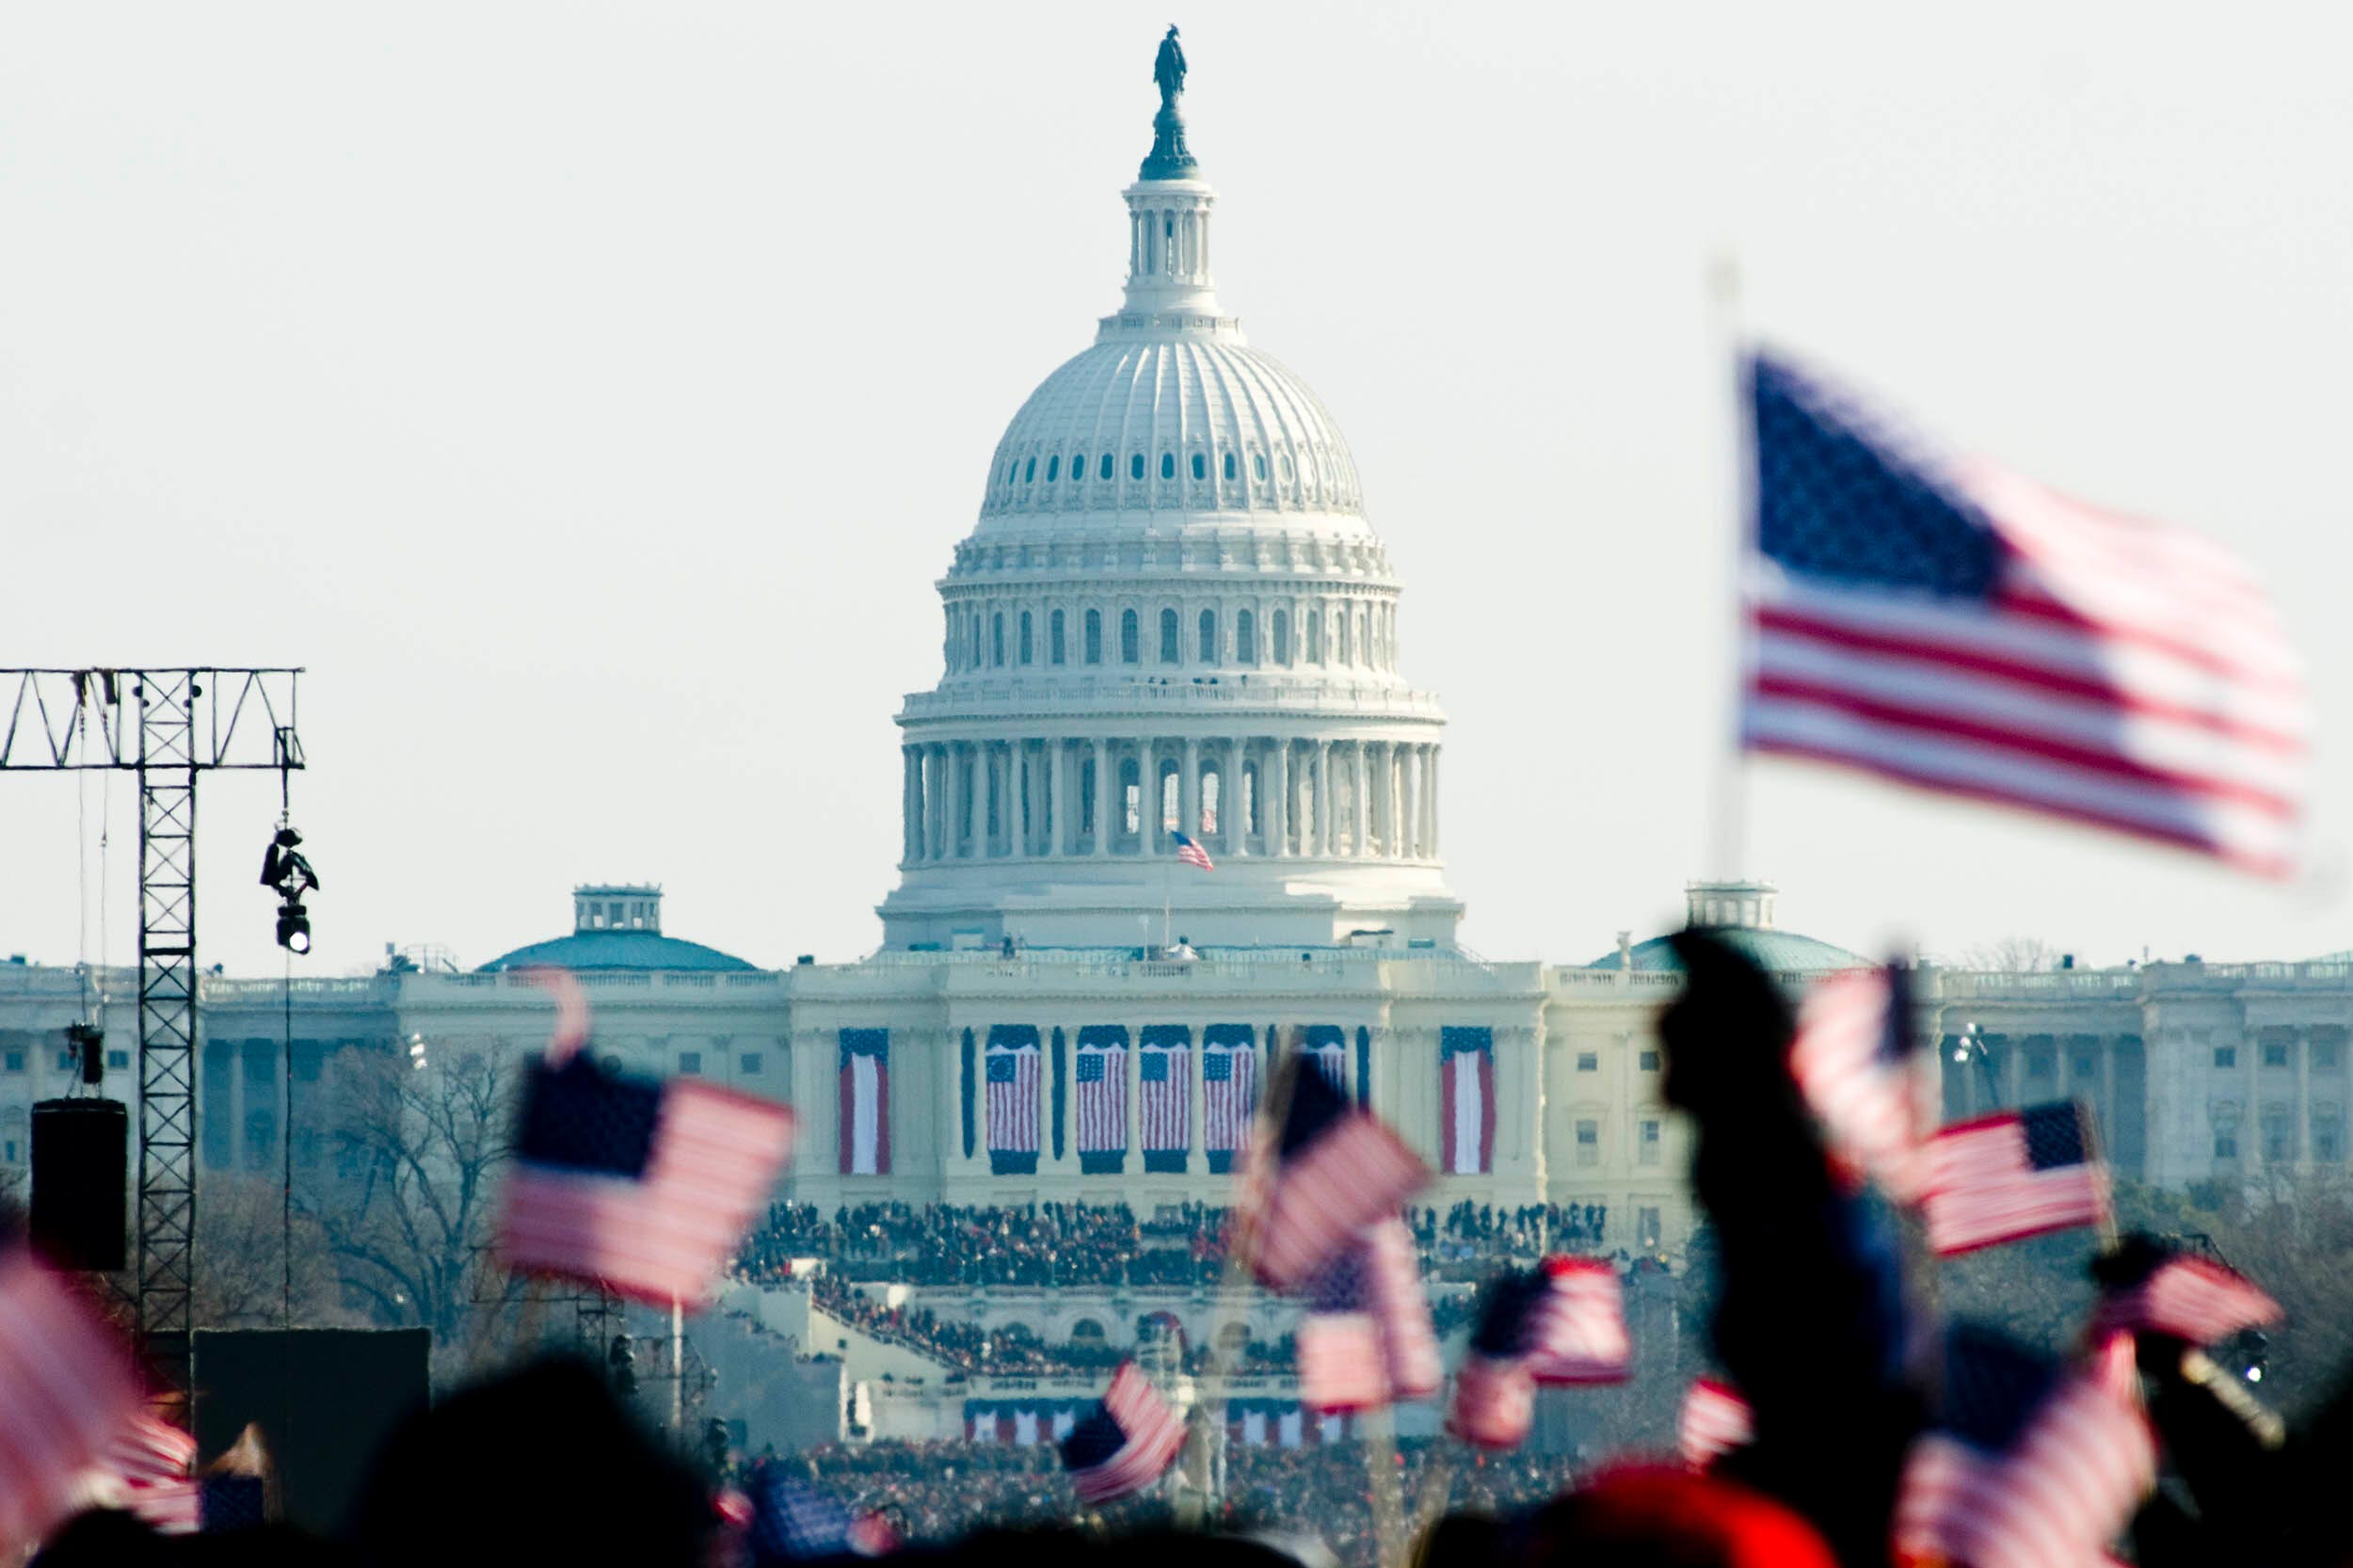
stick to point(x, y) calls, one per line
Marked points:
point(1199, 425)
point(1774, 952)
point(617, 950)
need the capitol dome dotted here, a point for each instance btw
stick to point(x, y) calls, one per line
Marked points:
point(1176, 423)
point(616, 926)
point(1741, 915)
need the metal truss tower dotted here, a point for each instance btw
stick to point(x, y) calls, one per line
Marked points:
point(176, 725)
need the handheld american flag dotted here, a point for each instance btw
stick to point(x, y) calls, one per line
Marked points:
point(66, 1393)
point(1335, 1171)
point(1972, 632)
point(1714, 1421)
point(1190, 852)
point(2192, 1299)
point(642, 1185)
point(1576, 1333)
point(2025, 1467)
point(1366, 1339)
point(1853, 1061)
point(1495, 1398)
point(155, 1460)
point(2013, 1174)
point(1126, 1442)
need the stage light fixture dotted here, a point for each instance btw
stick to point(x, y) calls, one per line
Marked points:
point(294, 926)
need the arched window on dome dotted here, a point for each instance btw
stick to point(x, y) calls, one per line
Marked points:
point(1129, 650)
point(1315, 636)
point(1078, 467)
point(1209, 637)
point(1200, 466)
point(1168, 465)
point(1229, 468)
point(1025, 637)
point(1283, 637)
point(1135, 466)
point(1171, 811)
point(1286, 467)
point(1249, 805)
point(1095, 637)
point(1257, 464)
point(1170, 652)
point(1053, 638)
point(1106, 471)
point(1029, 471)
point(1053, 467)
point(996, 638)
point(1245, 637)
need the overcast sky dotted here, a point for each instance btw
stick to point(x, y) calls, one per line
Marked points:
point(588, 395)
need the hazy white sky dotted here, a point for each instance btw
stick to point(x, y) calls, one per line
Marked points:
point(589, 395)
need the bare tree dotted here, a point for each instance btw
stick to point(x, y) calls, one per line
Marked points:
point(423, 1148)
point(2011, 955)
point(253, 1269)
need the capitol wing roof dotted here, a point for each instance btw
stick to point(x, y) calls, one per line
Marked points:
point(617, 950)
point(1198, 423)
point(1774, 952)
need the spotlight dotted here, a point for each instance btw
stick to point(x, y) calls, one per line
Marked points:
point(294, 926)
point(416, 1052)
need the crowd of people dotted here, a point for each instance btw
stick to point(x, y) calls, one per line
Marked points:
point(936, 1493)
point(1054, 1244)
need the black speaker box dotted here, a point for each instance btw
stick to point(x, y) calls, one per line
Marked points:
point(80, 1150)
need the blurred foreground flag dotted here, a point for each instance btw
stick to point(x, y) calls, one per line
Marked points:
point(1331, 1173)
point(1853, 1061)
point(2146, 1288)
point(1963, 628)
point(2025, 1467)
point(66, 1394)
point(2013, 1174)
point(644, 1186)
point(1126, 1442)
point(1495, 1398)
point(1366, 1339)
point(1714, 1421)
point(1578, 1332)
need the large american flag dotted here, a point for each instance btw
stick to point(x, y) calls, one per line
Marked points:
point(1013, 1078)
point(2025, 1467)
point(644, 1186)
point(1329, 1173)
point(1127, 1442)
point(1853, 1061)
point(1576, 1333)
point(66, 1393)
point(2190, 1299)
point(1102, 1071)
point(2012, 1175)
point(1165, 1099)
point(1366, 1338)
point(1967, 630)
point(1229, 1096)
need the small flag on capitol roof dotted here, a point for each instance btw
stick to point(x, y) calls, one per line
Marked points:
point(1331, 1170)
point(2025, 1465)
point(2013, 1174)
point(1190, 852)
point(643, 1185)
point(1126, 1442)
point(1963, 628)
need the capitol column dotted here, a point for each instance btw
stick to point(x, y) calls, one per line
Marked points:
point(1409, 801)
point(1188, 790)
point(1057, 800)
point(1148, 812)
point(1392, 801)
point(1432, 805)
point(1230, 820)
point(1360, 817)
point(1278, 827)
point(1102, 797)
point(1324, 835)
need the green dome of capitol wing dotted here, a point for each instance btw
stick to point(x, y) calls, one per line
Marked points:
point(1741, 915)
point(616, 926)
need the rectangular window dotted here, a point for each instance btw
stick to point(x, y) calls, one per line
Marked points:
point(14, 1062)
point(2278, 1133)
point(2328, 1141)
point(1588, 1143)
point(8, 1151)
point(2226, 1145)
point(2324, 1056)
point(690, 1061)
point(1053, 638)
point(117, 1059)
point(1646, 1152)
point(2040, 1064)
point(1588, 1062)
point(1649, 1061)
point(1648, 1233)
point(2275, 1053)
point(2226, 1056)
point(65, 1062)
point(260, 1063)
point(749, 1064)
point(1025, 637)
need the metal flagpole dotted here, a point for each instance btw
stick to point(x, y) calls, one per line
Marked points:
point(1729, 830)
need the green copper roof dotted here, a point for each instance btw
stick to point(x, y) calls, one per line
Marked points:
point(1774, 952)
point(618, 950)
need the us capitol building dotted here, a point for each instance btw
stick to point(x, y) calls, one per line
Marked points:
point(1170, 615)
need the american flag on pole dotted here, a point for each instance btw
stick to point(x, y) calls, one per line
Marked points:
point(1964, 629)
point(644, 1186)
point(1190, 852)
point(66, 1393)
point(2013, 1174)
point(1495, 1398)
point(1714, 1421)
point(1127, 1442)
point(1853, 1061)
point(1012, 1069)
point(2191, 1299)
point(1333, 1171)
point(1577, 1331)
point(2025, 1467)
point(1101, 1072)
point(1366, 1338)
point(1165, 1097)
point(1229, 1091)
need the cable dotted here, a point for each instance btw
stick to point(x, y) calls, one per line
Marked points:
point(285, 1145)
